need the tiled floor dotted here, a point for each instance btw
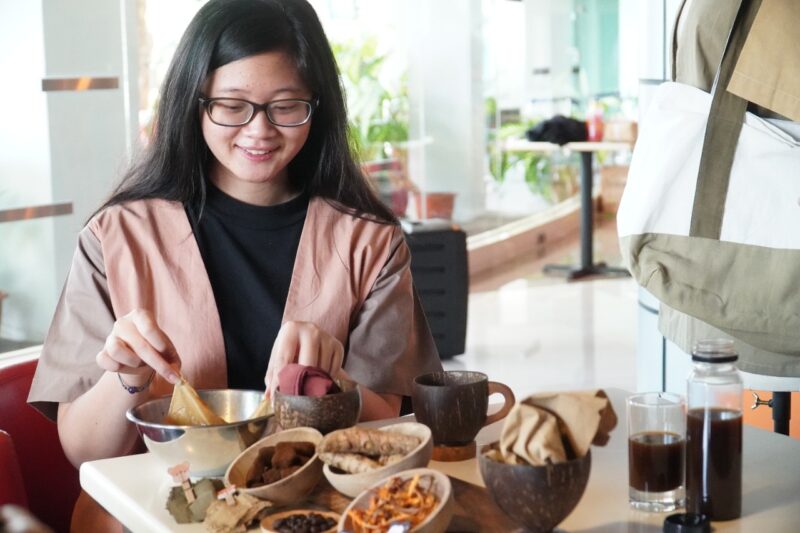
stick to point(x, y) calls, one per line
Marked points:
point(537, 333)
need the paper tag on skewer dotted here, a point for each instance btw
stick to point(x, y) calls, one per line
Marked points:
point(180, 474)
point(227, 494)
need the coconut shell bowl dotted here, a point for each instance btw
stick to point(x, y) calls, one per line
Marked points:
point(324, 413)
point(538, 497)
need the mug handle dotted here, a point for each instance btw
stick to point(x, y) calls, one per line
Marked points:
point(509, 400)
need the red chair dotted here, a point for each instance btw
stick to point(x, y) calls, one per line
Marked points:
point(12, 489)
point(51, 482)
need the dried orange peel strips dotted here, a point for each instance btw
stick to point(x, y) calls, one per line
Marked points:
point(411, 500)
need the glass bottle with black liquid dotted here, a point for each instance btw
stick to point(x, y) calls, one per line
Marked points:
point(714, 432)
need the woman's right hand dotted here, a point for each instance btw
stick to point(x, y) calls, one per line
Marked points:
point(137, 346)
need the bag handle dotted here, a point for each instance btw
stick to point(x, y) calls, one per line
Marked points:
point(725, 119)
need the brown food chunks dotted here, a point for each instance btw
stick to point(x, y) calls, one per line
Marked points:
point(288, 454)
point(274, 463)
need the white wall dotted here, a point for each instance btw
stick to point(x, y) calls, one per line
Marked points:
point(446, 91)
point(24, 123)
point(26, 248)
point(87, 128)
point(550, 47)
point(504, 50)
point(56, 146)
point(630, 38)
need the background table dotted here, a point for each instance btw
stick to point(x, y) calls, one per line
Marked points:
point(587, 266)
point(134, 488)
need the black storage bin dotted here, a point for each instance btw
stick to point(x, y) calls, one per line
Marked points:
point(439, 268)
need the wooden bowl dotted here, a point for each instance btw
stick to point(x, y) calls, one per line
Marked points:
point(436, 522)
point(353, 484)
point(324, 413)
point(538, 497)
point(267, 524)
point(288, 490)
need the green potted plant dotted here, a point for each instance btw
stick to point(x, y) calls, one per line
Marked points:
point(551, 176)
point(537, 165)
point(378, 111)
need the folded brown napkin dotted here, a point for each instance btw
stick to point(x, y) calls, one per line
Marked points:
point(301, 380)
point(556, 427)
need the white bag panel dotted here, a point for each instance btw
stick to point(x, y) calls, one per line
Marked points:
point(763, 202)
point(659, 192)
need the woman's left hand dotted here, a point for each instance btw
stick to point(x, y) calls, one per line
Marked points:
point(306, 344)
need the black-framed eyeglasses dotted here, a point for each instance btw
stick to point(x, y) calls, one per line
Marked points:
point(232, 112)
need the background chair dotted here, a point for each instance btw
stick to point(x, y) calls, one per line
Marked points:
point(12, 489)
point(441, 276)
point(51, 483)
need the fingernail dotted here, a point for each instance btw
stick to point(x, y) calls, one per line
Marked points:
point(173, 378)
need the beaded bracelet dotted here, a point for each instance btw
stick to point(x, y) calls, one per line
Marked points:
point(134, 390)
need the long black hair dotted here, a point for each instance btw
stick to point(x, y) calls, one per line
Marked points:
point(175, 164)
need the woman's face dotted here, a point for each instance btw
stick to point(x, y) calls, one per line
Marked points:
point(250, 161)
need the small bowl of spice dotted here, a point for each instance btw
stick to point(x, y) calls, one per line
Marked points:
point(283, 468)
point(420, 498)
point(301, 521)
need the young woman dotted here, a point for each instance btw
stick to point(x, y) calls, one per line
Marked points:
point(245, 239)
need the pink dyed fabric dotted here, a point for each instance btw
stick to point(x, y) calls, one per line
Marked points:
point(302, 380)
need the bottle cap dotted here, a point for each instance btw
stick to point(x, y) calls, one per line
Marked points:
point(687, 523)
point(714, 351)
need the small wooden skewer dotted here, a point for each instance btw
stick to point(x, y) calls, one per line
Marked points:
point(227, 494)
point(180, 474)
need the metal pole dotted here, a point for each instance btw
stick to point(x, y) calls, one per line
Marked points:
point(781, 411)
point(587, 179)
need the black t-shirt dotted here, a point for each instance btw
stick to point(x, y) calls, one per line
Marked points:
point(249, 254)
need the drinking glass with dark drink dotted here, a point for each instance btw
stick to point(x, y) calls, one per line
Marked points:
point(656, 450)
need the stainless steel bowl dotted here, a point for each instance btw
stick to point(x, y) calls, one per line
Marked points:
point(209, 449)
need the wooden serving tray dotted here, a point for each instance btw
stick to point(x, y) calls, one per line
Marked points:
point(474, 510)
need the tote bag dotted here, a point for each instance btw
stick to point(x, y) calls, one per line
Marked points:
point(709, 221)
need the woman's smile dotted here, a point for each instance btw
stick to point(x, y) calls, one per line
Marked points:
point(251, 161)
point(257, 154)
